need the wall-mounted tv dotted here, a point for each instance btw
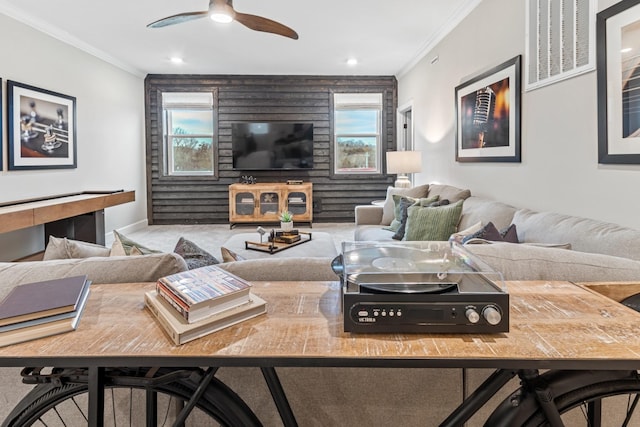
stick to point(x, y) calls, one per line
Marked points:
point(273, 145)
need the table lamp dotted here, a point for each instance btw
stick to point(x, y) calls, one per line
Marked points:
point(402, 163)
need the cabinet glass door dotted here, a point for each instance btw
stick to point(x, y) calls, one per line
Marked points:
point(297, 203)
point(245, 203)
point(269, 203)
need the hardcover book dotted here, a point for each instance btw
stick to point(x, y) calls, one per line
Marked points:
point(44, 326)
point(202, 292)
point(182, 332)
point(42, 299)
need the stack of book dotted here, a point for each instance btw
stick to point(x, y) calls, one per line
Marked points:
point(40, 309)
point(194, 303)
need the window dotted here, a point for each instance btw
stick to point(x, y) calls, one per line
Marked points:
point(357, 129)
point(188, 133)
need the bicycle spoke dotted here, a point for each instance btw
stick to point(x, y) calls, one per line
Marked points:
point(631, 410)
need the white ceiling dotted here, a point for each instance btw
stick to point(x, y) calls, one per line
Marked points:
point(385, 36)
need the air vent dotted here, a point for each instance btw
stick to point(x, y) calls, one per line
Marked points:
point(560, 40)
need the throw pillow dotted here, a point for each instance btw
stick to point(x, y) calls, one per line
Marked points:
point(438, 223)
point(405, 203)
point(194, 255)
point(63, 248)
point(228, 255)
point(489, 233)
point(388, 207)
point(400, 216)
point(128, 244)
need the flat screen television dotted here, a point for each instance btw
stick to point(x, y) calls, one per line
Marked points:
point(272, 146)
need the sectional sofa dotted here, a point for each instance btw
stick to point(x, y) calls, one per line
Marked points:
point(551, 246)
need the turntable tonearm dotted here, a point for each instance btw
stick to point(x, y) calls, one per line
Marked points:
point(412, 287)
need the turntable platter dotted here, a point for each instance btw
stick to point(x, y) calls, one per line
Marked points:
point(393, 264)
point(408, 288)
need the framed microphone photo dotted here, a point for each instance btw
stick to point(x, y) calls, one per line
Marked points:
point(488, 115)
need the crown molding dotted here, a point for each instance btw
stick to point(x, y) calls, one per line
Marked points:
point(44, 27)
point(451, 23)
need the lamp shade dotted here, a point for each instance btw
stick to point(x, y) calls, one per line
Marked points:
point(401, 162)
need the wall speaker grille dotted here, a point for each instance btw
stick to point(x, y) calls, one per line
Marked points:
point(560, 40)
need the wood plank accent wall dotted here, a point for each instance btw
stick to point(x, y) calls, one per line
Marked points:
point(185, 200)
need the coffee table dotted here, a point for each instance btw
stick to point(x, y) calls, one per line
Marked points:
point(321, 245)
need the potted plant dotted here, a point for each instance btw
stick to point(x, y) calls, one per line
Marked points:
point(286, 221)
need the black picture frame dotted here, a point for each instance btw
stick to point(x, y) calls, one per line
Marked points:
point(1, 130)
point(41, 127)
point(488, 115)
point(618, 124)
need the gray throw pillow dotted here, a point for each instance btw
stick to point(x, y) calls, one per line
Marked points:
point(388, 207)
point(193, 254)
point(63, 248)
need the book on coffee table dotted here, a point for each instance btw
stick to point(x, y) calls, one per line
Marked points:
point(202, 292)
point(45, 326)
point(42, 299)
point(180, 331)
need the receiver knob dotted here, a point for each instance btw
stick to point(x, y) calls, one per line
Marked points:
point(492, 315)
point(472, 315)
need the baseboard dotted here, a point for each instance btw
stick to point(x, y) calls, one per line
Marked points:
point(108, 237)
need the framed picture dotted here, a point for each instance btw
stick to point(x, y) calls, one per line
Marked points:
point(41, 128)
point(488, 115)
point(617, 52)
point(1, 133)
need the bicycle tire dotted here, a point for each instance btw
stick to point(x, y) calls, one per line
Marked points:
point(218, 402)
point(528, 413)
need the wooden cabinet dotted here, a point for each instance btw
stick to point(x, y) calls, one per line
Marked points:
point(263, 203)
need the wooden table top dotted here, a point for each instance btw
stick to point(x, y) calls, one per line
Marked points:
point(556, 325)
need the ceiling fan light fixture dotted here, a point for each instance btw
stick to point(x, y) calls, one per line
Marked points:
point(222, 13)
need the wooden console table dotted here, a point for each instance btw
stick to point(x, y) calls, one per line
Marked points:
point(78, 216)
point(554, 325)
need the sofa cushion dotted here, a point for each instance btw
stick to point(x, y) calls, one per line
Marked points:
point(479, 209)
point(585, 235)
point(526, 262)
point(388, 208)
point(453, 194)
point(63, 248)
point(372, 233)
point(123, 269)
point(433, 223)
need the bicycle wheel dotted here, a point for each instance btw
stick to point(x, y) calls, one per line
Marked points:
point(67, 404)
point(609, 403)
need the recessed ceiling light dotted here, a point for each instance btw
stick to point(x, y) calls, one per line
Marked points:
point(626, 49)
point(352, 61)
point(176, 60)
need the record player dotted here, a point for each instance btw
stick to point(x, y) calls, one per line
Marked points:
point(419, 287)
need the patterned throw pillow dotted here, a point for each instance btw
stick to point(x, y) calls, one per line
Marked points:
point(388, 207)
point(433, 223)
point(194, 255)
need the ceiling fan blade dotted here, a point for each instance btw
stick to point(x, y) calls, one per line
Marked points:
point(177, 19)
point(259, 23)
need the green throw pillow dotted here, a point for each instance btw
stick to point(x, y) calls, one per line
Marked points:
point(128, 245)
point(397, 211)
point(432, 223)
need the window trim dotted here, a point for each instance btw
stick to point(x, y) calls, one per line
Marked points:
point(163, 141)
point(379, 135)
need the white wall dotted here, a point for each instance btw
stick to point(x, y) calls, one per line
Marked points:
point(559, 170)
point(110, 127)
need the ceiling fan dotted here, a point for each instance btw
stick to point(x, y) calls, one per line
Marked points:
point(222, 11)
